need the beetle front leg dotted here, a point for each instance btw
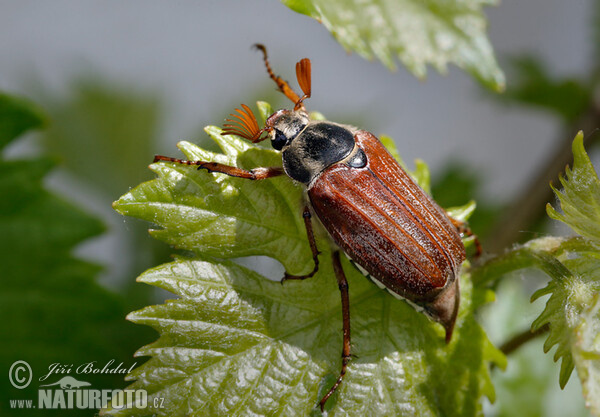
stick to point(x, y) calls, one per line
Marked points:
point(313, 247)
point(343, 286)
point(253, 174)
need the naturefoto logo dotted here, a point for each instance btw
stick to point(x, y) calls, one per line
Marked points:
point(68, 382)
point(69, 392)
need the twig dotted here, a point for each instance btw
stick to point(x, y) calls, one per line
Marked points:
point(520, 339)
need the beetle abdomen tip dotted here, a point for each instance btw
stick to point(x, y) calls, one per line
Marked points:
point(444, 308)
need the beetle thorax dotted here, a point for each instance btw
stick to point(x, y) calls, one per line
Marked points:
point(317, 146)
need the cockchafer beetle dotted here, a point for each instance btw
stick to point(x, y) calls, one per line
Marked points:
point(373, 210)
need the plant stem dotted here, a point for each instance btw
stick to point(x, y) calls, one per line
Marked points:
point(520, 339)
point(495, 268)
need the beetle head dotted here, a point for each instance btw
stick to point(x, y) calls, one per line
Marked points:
point(284, 125)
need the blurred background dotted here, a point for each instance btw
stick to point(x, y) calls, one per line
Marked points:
point(121, 81)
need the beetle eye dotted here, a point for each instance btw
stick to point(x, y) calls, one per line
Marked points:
point(279, 141)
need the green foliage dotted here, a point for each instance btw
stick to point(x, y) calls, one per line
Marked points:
point(573, 265)
point(53, 310)
point(17, 116)
point(116, 125)
point(457, 184)
point(221, 216)
point(572, 309)
point(418, 33)
point(103, 133)
point(235, 341)
point(586, 353)
point(527, 387)
point(568, 98)
point(580, 197)
point(573, 284)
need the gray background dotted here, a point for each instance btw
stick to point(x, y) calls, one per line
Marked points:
point(197, 54)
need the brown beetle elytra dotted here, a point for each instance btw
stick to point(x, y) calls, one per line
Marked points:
point(374, 211)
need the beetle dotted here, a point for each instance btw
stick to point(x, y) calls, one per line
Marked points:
point(388, 226)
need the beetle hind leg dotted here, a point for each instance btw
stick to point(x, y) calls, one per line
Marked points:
point(346, 347)
point(313, 247)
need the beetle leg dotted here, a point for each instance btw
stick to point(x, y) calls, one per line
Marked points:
point(463, 229)
point(253, 174)
point(343, 286)
point(313, 247)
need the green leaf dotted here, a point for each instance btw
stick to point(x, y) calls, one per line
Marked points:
point(53, 310)
point(17, 115)
point(570, 293)
point(580, 196)
point(586, 353)
point(573, 292)
point(418, 33)
point(235, 342)
point(218, 215)
point(574, 267)
point(463, 212)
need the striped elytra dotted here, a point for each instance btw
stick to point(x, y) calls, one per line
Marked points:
point(390, 227)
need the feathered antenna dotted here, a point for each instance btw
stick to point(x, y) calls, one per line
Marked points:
point(245, 126)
